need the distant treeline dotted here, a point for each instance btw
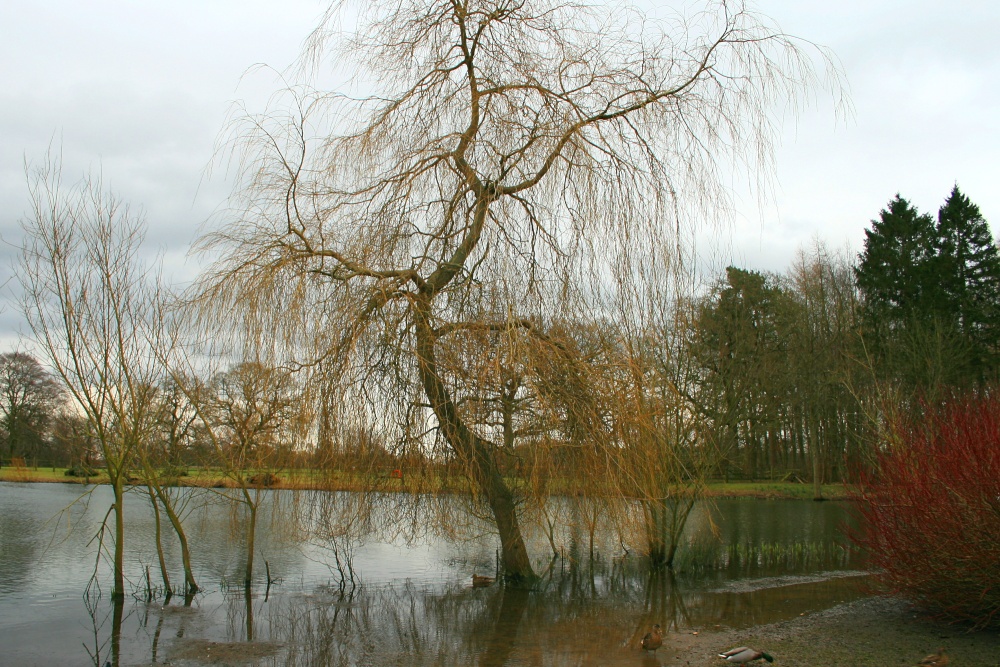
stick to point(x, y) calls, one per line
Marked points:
point(817, 359)
point(780, 376)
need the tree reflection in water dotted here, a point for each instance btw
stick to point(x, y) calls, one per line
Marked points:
point(107, 628)
point(582, 610)
point(580, 614)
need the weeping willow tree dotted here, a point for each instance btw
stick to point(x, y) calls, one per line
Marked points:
point(661, 455)
point(506, 143)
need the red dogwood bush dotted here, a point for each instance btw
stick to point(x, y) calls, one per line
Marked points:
point(930, 511)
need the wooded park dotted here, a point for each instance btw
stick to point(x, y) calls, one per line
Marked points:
point(487, 267)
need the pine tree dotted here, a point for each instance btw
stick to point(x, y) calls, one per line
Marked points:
point(907, 336)
point(967, 269)
point(931, 295)
point(893, 274)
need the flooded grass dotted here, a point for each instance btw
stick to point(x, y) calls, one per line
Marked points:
point(743, 559)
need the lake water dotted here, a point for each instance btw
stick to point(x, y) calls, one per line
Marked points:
point(410, 600)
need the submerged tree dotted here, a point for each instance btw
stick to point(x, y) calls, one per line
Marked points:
point(663, 453)
point(92, 306)
point(506, 142)
point(252, 413)
point(159, 462)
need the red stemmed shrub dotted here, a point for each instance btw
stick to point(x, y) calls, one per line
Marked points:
point(930, 510)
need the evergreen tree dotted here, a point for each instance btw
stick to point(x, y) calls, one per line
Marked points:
point(908, 336)
point(967, 269)
point(931, 295)
point(895, 268)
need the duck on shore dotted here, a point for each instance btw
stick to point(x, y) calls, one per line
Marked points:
point(653, 639)
point(938, 659)
point(744, 654)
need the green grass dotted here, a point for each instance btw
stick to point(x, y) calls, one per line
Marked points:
point(9, 474)
point(784, 490)
point(342, 480)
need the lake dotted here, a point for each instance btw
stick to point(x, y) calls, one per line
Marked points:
point(408, 598)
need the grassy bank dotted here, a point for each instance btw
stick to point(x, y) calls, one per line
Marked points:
point(776, 490)
point(346, 481)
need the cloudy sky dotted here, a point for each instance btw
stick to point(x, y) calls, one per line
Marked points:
point(140, 91)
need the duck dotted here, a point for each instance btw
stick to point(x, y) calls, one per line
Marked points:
point(938, 659)
point(744, 654)
point(480, 581)
point(653, 639)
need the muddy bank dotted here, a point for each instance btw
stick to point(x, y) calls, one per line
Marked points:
point(870, 632)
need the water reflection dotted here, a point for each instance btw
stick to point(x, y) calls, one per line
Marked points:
point(742, 563)
point(584, 616)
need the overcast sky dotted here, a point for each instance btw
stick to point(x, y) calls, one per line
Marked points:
point(141, 89)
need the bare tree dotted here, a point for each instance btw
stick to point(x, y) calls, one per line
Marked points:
point(824, 337)
point(30, 399)
point(158, 455)
point(506, 143)
point(159, 465)
point(252, 410)
point(90, 301)
point(254, 407)
point(665, 453)
point(177, 424)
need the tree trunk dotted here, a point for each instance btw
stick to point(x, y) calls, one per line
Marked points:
point(655, 534)
point(189, 583)
point(817, 459)
point(251, 532)
point(476, 452)
point(159, 540)
point(117, 486)
point(665, 523)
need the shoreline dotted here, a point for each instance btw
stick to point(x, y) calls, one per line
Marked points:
point(306, 480)
point(875, 631)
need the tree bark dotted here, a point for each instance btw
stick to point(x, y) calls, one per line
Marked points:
point(251, 530)
point(476, 451)
point(117, 486)
point(159, 541)
point(251, 534)
point(189, 583)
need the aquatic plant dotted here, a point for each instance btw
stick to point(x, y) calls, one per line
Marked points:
point(740, 559)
